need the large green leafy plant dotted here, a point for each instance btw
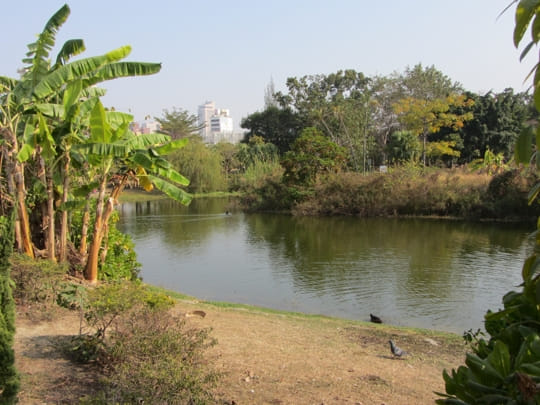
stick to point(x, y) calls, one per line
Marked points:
point(505, 369)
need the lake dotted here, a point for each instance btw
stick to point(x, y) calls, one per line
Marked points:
point(427, 273)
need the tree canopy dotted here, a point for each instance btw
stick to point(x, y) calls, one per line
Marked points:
point(178, 123)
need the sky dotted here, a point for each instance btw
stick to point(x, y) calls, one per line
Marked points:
point(229, 51)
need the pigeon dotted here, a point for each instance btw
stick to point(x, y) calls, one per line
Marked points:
point(375, 319)
point(396, 351)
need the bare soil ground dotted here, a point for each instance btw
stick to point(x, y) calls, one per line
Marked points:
point(265, 358)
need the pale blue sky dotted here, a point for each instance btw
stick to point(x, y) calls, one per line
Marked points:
point(227, 51)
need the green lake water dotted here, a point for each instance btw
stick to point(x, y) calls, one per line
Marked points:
point(436, 274)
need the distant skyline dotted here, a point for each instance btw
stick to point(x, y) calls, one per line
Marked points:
point(228, 52)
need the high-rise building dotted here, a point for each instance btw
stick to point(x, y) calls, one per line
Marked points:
point(206, 111)
point(221, 121)
point(216, 124)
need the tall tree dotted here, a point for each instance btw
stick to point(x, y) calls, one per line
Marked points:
point(424, 116)
point(201, 164)
point(270, 95)
point(426, 83)
point(498, 119)
point(339, 104)
point(178, 123)
point(279, 126)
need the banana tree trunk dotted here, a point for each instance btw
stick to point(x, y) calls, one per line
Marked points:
point(91, 271)
point(109, 209)
point(101, 226)
point(51, 234)
point(62, 249)
point(15, 171)
point(47, 217)
point(84, 229)
point(11, 191)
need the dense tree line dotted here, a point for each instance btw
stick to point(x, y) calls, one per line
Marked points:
point(372, 116)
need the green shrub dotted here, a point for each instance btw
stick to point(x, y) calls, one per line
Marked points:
point(311, 155)
point(37, 281)
point(109, 302)
point(9, 378)
point(146, 354)
point(157, 359)
point(507, 195)
point(273, 195)
point(121, 260)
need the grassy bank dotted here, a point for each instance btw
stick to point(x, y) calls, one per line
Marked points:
point(223, 305)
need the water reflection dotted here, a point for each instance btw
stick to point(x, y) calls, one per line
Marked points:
point(425, 273)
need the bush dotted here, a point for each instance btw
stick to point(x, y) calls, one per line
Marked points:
point(9, 378)
point(507, 195)
point(146, 354)
point(121, 260)
point(312, 155)
point(157, 359)
point(37, 281)
point(272, 195)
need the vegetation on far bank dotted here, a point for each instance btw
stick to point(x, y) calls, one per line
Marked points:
point(404, 191)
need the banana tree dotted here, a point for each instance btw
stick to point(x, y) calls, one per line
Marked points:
point(15, 100)
point(50, 105)
point(10, 116)
point(116, 151)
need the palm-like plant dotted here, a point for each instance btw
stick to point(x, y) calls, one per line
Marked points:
point(53, 113)
point(117, 151)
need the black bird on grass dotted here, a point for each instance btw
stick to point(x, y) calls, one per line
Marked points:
point(396, 351)
point(375, 319)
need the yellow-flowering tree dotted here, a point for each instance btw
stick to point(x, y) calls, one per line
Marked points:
point(424, 116)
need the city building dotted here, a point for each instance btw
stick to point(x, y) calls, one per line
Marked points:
point(149, 126)
point(216, 124)
point(205, 113)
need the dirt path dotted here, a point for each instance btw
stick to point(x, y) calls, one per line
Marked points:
point(266, 358)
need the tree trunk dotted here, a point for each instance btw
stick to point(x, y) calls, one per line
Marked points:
point(109, 209)
point(12, 192)
point(47, 217)
point(62, 249)
point(93, 254)
point(22, 212)
point(16, 171)
point(51, 234)
point(103, 213)
point(84, 229)
point(105, 248)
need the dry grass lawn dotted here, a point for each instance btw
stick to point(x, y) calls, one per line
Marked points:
point(264, 358)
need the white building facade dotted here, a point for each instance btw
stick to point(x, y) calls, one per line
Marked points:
point(216, 124)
